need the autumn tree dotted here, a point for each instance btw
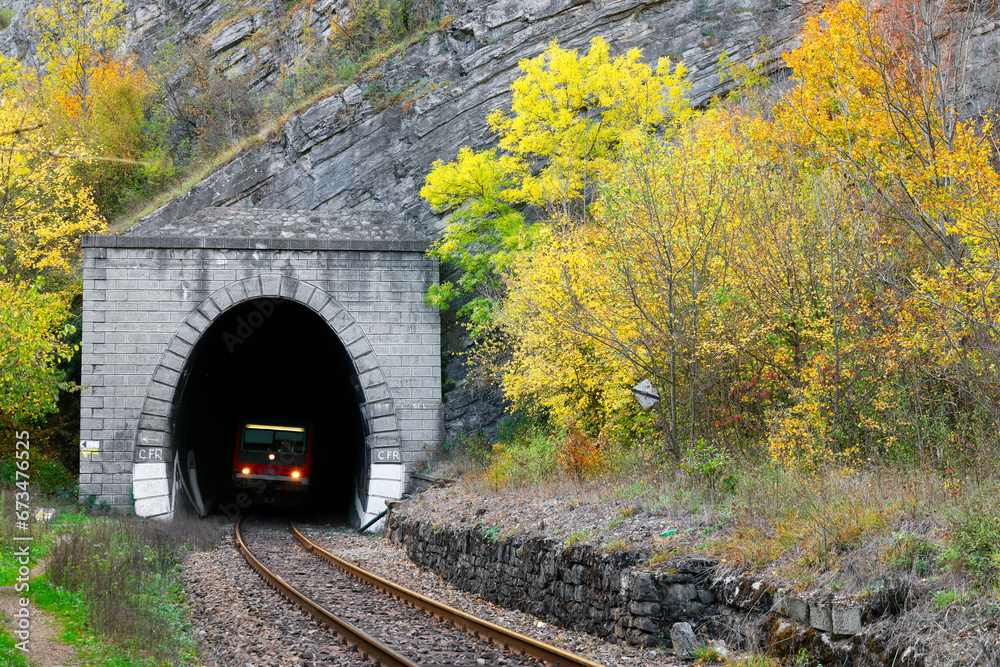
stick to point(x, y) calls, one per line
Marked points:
point(567, 116)
point(89, 94)
point(44, 209)
point(878, 107)
point(809, 273)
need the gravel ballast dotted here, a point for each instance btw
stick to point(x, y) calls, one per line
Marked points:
point(375, 554)
point(238, 619)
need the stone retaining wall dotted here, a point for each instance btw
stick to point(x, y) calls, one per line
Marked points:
point(609, 595)
point(575, 587)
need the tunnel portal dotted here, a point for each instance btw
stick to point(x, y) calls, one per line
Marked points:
point(226, 315)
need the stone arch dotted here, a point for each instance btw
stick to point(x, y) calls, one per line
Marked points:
point(154, 477)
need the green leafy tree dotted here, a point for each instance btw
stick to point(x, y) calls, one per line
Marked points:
point(33, 328)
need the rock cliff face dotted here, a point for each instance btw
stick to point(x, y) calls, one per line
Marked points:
point(348, 151)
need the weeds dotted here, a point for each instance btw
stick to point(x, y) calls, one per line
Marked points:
point(614, 545)
point(530, 457)
point(941, 600)
point(975, 539)
point(9, 563)
point(49, 476)
point(10, 655)
point(707, 653)
point(116, 566)
point(914, 554)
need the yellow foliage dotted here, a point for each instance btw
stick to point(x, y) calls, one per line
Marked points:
point(568, 115)
point(89, 94)
point(816, 277)
point(572, 111)
point(555, 365)
point(44, 209)
point(32, 344)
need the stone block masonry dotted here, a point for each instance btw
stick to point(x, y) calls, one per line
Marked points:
point(603, 594)
point(619, 598)
point(148, 299)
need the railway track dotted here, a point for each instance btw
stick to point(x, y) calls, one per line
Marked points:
point(387, 624)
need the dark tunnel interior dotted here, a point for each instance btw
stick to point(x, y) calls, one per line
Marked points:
point(271, 361)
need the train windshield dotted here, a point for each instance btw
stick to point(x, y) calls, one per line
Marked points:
point(274, 439)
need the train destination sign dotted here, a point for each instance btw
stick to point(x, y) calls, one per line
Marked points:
point(386, 456)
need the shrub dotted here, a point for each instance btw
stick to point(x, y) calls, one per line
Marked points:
point(527, 460)
point(913, 553)
point(375, 24)
point(975, 540)
point(471, 445)
point(707, 462)
point(52, 478)
point(580, 455)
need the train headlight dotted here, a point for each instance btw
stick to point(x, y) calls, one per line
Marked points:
point(270, 456)
point(246, 471)
point(295, 474)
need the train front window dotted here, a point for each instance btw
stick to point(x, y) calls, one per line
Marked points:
point(274, 440)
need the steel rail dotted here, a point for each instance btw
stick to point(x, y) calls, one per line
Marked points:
point(475, 626)
point(369, 647)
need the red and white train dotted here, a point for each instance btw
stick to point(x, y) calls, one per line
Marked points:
point(272, 461)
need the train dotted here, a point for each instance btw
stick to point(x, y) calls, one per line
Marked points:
point(271, 462)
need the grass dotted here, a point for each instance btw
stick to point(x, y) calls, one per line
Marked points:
point(707, 654)
point(183, 183)
point(9, 564)
point(754, 660)
point(114, 582)
point(941, 600)
point(848, 530)
point(125, 573)
point(72, 611)
point(10, 655)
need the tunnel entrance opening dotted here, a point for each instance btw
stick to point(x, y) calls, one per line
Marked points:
point(271, 361)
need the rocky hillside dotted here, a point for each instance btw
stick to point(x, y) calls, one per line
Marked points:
point(348, 151)
point(354, 150)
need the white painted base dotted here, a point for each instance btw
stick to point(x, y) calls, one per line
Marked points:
point(385, 483)
point(150, 490)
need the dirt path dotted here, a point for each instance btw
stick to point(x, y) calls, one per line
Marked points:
point(45, 649)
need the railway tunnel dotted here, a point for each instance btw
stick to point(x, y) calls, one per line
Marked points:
point(228, 316)
point(270, 361)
